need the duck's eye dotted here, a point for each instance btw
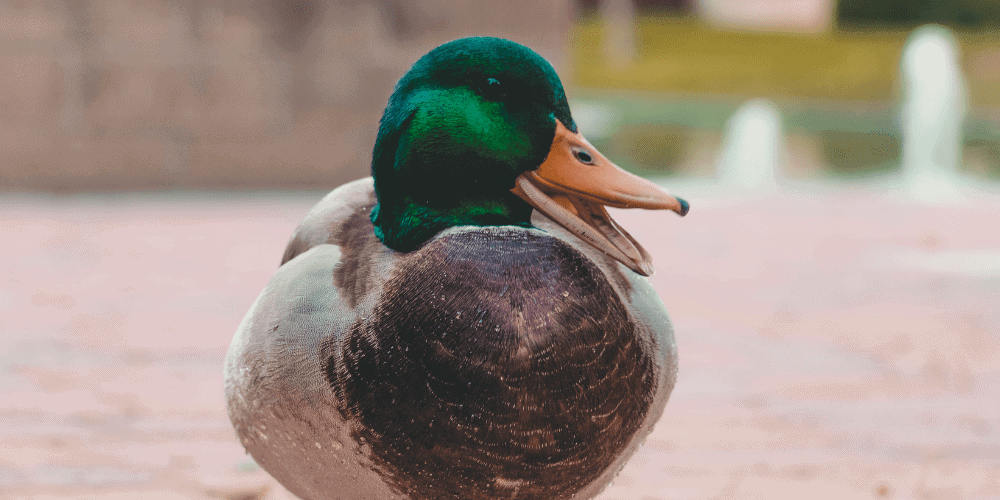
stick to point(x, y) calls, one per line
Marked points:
point(492, 89)
point(583, 156)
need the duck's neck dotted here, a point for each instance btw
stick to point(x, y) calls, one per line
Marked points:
point(406, 225)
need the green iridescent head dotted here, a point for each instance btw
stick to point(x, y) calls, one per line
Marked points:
point(461, 125)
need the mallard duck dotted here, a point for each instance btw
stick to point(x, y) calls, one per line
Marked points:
point(469, 322)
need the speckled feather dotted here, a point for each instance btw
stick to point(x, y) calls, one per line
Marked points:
point(498, 362)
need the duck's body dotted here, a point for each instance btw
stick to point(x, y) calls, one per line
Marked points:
point(530, 366)
point(450, 347)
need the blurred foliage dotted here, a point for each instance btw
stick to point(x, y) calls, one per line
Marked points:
point(957, 13)
point(654, 147)
point(982, 158)
point(662, 134)
point(686, 56)
point(669, 7)
point(852, 152)
point(838, 88)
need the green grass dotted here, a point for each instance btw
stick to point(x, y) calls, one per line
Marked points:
point(683, 55)
point(838, 87)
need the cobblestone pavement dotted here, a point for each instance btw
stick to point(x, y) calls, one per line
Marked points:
point(834, 344)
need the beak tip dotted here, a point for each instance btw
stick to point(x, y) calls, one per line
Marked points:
point(685, 206)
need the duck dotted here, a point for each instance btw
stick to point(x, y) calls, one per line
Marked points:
point(469, 322)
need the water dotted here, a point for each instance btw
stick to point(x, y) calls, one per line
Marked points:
point(935, 102)
point(753, 147)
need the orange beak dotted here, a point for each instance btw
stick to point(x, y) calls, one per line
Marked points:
point(574, 185)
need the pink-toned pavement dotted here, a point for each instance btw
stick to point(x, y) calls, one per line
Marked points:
point(836, 344)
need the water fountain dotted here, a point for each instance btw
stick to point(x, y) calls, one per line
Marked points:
point(753, 147)
point(935, 102)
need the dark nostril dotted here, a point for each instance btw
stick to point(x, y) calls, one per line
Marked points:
point(584, 157)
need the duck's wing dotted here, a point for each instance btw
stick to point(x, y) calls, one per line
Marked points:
point(325, 223)
point(277, 393)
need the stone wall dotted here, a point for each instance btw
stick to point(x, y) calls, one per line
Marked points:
point(123, 94)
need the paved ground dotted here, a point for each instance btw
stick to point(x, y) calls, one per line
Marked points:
point(834, 344)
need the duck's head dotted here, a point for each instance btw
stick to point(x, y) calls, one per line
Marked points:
point(479, 132)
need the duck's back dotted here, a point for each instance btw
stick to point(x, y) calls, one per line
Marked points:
point(496, 362)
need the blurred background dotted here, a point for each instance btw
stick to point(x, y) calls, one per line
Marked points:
point(161, 94)
point(835, 289)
